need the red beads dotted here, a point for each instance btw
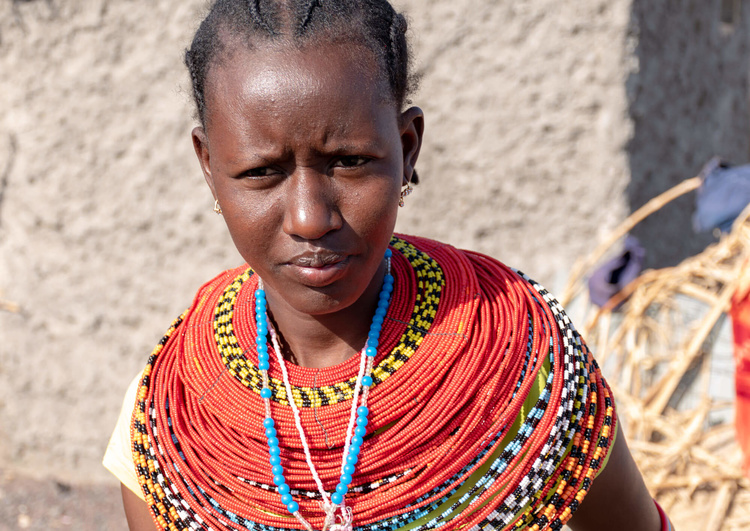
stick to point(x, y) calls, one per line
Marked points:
point(465, 341)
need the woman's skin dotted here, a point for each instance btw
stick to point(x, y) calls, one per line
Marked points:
point(306, 153)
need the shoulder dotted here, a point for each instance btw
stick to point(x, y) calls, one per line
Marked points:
point(471, 271)
point(220, 282)
point(441, 251)
point(118, 457)
point(211, 292)
point(206, 299)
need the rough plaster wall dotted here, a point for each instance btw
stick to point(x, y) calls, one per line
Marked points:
point(106, 227)
point(688, 99)
point(525, 113)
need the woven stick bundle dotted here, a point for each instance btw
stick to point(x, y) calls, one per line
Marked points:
point(656, 353)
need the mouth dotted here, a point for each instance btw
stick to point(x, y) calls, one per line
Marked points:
point(319, 269)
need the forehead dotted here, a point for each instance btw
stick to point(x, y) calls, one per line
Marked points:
point(270, 103)
point(282, 73)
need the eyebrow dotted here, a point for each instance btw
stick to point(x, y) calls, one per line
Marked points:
point(251, 159)
point(370, 146)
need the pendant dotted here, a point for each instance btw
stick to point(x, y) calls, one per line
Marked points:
point(345, 521)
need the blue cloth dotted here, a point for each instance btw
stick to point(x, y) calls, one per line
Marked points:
point(722, 196)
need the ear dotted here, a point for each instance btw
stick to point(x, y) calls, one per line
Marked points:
point(412, 128)
point(200, 143)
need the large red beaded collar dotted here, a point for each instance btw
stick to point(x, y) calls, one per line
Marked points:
point(451, 442)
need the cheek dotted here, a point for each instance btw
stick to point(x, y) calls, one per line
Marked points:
point(251, 222)
point(373, 210)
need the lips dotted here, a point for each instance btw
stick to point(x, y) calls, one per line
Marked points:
point(319, 269)
point(317, 260)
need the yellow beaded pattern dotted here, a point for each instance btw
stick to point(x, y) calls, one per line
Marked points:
point(430, 281)
point(143, 454)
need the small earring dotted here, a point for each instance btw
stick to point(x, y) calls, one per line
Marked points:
point(406, 191)
point(217, 208)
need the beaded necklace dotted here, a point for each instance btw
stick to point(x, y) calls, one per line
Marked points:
point(486, 410)
point(354, 436)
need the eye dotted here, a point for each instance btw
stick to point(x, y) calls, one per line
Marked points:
point(351, 161)
point(263, 171)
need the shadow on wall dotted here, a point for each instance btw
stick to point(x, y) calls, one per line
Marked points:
point(688, 100)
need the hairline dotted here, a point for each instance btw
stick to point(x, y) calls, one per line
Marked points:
point(228, 42)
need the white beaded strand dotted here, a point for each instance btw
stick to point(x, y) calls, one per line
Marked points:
point(357, 417)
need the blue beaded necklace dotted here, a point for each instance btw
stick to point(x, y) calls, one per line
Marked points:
point(358, 418)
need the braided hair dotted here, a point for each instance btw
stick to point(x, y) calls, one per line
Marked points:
point(372, 23)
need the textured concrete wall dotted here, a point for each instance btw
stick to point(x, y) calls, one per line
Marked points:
point(106, 227)
point(688, 100)
point(526, 124)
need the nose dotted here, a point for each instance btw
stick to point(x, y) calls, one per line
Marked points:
point(311, 209)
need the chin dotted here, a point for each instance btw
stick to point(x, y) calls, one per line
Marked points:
point(326, 300)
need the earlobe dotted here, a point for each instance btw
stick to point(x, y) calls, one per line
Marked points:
point(412, 129)
point(200, 144)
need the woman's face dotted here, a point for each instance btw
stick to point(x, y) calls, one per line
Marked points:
point(306, 153)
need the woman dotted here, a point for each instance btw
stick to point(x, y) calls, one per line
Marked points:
point(431, 387)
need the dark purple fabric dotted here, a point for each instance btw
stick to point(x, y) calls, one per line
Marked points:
point(610, 277)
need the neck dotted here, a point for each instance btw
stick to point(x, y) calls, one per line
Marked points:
point(319, 341)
